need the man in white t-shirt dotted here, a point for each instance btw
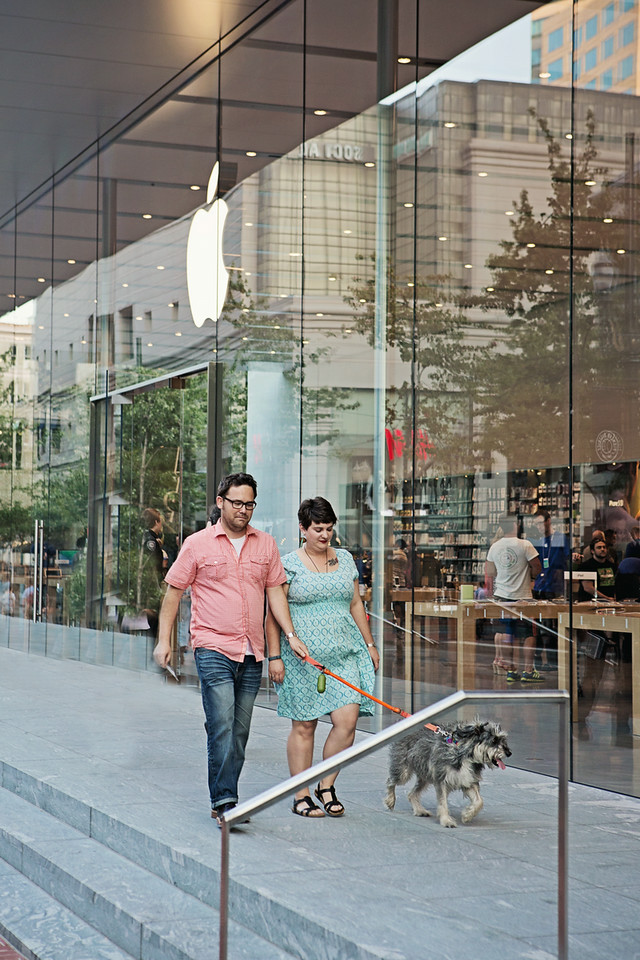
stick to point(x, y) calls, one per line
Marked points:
point(513, 564)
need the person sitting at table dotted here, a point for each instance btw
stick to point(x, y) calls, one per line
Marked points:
point(513, 563)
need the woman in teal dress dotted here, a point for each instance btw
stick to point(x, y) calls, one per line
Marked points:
point(326, 609)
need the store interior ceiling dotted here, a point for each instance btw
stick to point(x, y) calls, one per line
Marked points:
point(77, 74)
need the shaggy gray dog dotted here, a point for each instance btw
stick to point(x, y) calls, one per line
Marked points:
point(451, 759)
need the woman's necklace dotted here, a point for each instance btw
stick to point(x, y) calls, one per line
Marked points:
point(304, 547)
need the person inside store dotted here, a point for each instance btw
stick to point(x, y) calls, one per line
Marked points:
point(325, 605)
point(553, 551)
point(231, 567)
point(627, 589)
point(595, 646)
point(512, 564)
point(154, 567)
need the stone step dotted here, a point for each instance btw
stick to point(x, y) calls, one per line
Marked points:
point(42, 929)
point(140, 914)
point(276, 913)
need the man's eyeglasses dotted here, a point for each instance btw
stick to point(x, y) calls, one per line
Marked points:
point(239, 504)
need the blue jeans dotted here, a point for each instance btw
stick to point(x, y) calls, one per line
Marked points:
point(229, 691)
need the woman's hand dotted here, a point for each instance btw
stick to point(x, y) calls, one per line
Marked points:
point(276, 671)
point(298, 647)
point(375, 657)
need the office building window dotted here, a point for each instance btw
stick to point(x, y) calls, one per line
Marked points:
point(626, 5)
point(606, 80)
point(591, 27)
point(536, 54)
point(590, 85)
point(555, 39)
point(590, 59)
point(626, 35)
point(577, 68)
point(555, 69)
point(536, 28)
point(625, 68)
point(577, 37)
point(607, 48)
point(608, 14)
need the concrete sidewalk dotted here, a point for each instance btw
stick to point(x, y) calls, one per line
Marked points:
point(119, 758)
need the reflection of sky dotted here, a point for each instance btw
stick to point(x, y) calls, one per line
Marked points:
point(504, 56)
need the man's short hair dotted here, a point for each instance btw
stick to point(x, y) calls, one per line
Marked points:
point(150, 517)
point(595, 540)
point(237, 480)
point(542, 513)
point(508, 521)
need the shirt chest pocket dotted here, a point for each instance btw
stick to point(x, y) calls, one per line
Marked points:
point(216, 570)
point(258, 568)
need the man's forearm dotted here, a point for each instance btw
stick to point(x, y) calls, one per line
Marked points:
point(280, 608)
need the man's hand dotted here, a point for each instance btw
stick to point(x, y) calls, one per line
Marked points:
point(162, 653)
point(276, 671)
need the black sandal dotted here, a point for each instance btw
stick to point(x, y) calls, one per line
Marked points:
point(333, 807)
point(308, 808)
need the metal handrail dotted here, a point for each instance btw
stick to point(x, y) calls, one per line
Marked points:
point(268, 797)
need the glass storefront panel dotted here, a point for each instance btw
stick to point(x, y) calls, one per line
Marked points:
point(423, 312)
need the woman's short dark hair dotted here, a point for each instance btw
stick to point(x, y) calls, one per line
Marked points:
point(317, 510)
point(237, 480)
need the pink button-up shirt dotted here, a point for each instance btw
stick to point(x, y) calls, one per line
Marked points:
point(227, 590)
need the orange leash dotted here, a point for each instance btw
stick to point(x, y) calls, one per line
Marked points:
point(314, 663)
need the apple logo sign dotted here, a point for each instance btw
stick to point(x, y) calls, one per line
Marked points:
point(207, 276)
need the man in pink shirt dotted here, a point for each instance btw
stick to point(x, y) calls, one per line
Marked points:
point(229, 567)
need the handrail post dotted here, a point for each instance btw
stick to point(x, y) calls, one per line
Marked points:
point(563, 816)
point(224, 891)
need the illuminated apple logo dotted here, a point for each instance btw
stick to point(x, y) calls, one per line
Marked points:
point(207, 277)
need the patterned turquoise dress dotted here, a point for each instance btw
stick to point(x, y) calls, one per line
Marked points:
point(320, 609)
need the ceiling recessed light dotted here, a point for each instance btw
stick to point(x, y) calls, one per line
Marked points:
point(607, 219)
point(490, 289)
point(171, 304)
point(251, 153)
point(621, 250)
point(362, 300)
point(408, 204)
point(160, 268)
point(531, 246)
point(178, 334)
point(320, 113)
point(248, 223)
point(147, 216)
point(125, 284)
point(294, 254)
point(468, 266)
point(590, 183)
point(194, 186)
point(65, 314)
point(442, 239)
point(332, 278)
point(483, 173)
point(568, 136)
point(319, 314)
point(549, 272)
point(438, 303)
point(149, 344)
point(347, 232)
point(508, 213)
point(404, 59)
point(41, 280)
point(40, 326)
point(71, 261)
point(449, 124)
point(410, 283)
point(544, 76)
point(369, 163)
